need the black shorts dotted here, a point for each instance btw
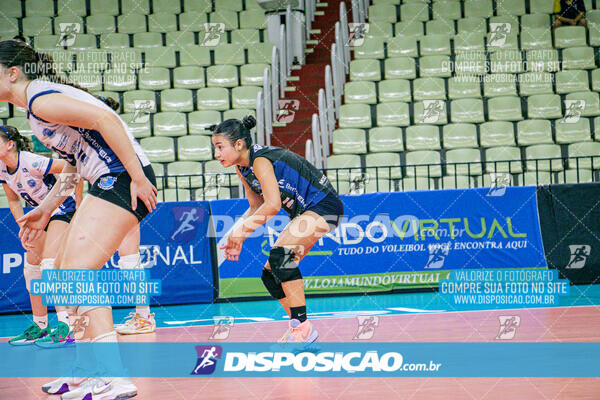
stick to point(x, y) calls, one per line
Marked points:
point(115, 188)
point(330, 208)
point(67, 217)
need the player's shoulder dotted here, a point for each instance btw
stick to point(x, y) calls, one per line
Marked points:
point(28, 159)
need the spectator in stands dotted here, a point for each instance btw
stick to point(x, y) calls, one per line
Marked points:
point(569, 12)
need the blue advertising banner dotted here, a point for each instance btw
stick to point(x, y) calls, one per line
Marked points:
point(174, 247)
point(396, 240)
point(226, 359)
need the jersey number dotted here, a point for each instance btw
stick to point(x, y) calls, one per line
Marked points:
point(29, 200)
point(70, 158)
point(289, 202)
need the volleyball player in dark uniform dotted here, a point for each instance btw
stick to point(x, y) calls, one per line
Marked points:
point(276, 178)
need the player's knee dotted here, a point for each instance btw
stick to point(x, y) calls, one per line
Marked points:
point(31, 272)
point(283, 266)
point(273, 287)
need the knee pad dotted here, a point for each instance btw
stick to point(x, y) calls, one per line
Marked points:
point(31, 272)
point(273, 287)
point(84, 309)
point(283, 266)
point(132, 261)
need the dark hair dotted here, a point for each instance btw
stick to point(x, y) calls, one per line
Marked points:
point(16, 53)
point(22, 143)
point(234, 129)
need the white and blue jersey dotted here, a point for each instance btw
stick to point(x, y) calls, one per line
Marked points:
point(84, 148)
point(301, 184)
point(31, 180)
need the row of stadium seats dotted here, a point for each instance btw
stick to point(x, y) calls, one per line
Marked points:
point(97, 24)
point(145, 40)
point(45, 8)
point(468, 161)
point(392, 10)
point(439, 112)
point(463, 135)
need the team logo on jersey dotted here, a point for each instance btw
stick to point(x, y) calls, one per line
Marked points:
point(48, 132)
point(25, 170)
point(207, 359)
point(186, 223)
point(107, 182)
point(31, 183)
point(19, 186)
point(36, 164)
point(257, 147)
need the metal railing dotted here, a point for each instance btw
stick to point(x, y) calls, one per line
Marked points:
point(390, 178)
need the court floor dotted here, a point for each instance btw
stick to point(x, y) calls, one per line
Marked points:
point(409, 317)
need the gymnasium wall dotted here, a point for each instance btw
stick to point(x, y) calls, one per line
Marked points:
point(402, 240)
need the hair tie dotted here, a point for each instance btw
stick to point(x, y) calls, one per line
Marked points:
point(8, 135)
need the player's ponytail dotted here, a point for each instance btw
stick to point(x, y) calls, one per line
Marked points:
point(234, 129)
point(22, 143)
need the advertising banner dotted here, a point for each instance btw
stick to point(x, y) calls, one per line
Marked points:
point(395, 240)
point(174, 248)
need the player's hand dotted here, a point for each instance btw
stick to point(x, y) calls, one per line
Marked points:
point(27, 245)
point(145, 191)
point(33, 224)
point(233, 247)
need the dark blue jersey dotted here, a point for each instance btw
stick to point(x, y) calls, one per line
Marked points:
point(301, 184)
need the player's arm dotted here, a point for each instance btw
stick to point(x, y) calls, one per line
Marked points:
point(14, 202)
point(56, 166)
point(271, 204)
point(254, 199)
point(34, 222)
point(65, 110)
point(78, 192)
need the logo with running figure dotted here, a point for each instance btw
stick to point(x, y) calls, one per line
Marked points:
point(508, 326)
point(437, 256)
point(287, 110)
point(366, 327)
point(66, 183)
point(579, 255)
point(186, 223)
point(68, 33)
point(499, 183)
point(499, 32)
point(357, 34)
point(222, 327)
point(573, 111)
point(142, 111)
point(432, 111)
point(213, 31)
point(207, 359)
point(79, 324)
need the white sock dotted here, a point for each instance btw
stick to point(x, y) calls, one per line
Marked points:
point(133, 261)
point(41, 321)
point(110, 354)
point(143, 311)
point(63, 316)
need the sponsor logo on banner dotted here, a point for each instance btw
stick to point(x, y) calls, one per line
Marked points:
point(366, 327)
point(207, 359)
point(186, 223)
point(579, 255)
point(222, 327)
point(213, 31)
point(499, 32)
point(508, 326)
point(357, 33)
point(68, 33)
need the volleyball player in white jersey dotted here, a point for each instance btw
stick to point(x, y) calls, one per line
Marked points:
point(30, 177)
point(93, 139)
